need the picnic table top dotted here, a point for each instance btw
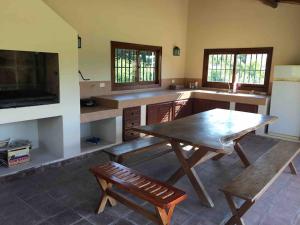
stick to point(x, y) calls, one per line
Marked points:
point(215, 129)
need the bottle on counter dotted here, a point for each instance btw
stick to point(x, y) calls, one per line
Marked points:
point(234, 89)
point(196, 84)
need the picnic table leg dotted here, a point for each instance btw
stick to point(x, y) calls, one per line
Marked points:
point(194, 159)
point(239, 150)
point(192, 175)
point(176, 176)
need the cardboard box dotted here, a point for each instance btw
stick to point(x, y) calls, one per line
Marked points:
point(18, 156)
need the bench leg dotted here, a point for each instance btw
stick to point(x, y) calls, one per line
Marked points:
point(104, 186)
point(237, 213)
point(111, 157)
point(119, 160)
point(165, 216)
point(162, 216)
point(217, 157)
point(239, 150)
point(293, 168)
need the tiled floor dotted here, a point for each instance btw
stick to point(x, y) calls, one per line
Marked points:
point(69, 194)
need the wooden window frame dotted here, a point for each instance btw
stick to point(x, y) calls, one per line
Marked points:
point(137, 84)
point(235, 51)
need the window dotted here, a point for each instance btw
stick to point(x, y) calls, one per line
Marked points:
point(135, 66)
point(249, 68)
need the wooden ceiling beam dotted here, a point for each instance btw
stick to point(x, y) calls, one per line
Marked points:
point(274, 3)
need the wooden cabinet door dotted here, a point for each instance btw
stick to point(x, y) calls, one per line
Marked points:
point(202, 105)
point(131, 118)
point(183, 108)
point(246, 108)
point(159, 113)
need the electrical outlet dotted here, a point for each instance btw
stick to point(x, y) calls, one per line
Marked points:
point(102, 85)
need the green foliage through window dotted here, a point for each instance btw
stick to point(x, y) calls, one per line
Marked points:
point(249, 68)
point(125, 65)
point(220, 68)
point(135, 64)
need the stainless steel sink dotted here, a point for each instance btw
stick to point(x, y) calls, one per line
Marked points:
point(226, 92)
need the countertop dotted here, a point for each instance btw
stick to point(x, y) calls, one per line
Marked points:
point(152, 97)
point(111, 106)
point(89, 114)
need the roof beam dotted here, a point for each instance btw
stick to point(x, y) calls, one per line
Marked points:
point(274, 3)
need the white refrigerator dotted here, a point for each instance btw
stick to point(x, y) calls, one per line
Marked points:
point(285, 102)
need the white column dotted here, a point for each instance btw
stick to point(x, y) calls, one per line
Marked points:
point(232, 106)
point(143, 115)
point(119, 129)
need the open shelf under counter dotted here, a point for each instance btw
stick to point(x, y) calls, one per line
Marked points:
point(38, 158)
point(90, 114)
point(108, 130)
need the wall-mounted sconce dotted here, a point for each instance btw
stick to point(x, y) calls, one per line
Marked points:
point(79, 41)
point(176, 51)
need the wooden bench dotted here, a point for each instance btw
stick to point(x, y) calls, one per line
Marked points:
point(162, 196)
point(120, 153)
point(251, 184)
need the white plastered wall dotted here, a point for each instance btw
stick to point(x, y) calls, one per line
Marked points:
point(32, 26)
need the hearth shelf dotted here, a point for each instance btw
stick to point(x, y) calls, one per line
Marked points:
point(38, 157)
point(45, 136)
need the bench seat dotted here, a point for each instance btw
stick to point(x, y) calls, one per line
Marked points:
point(120, 153)
point(251, 184)
point(255, 179)
point(163, 196)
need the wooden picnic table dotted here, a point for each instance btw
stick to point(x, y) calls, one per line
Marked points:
point(213, 134)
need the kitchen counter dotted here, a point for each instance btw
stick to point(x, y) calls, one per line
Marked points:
point(245, 98)
point(152, 97)
point(107, 115)
point(89, 114)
